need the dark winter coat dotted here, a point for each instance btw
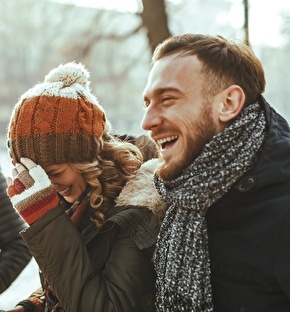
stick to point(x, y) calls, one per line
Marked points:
point(249, 231)
point(105, 269)
point(14, 255)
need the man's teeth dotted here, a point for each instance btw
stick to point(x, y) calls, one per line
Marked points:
point(162, 141)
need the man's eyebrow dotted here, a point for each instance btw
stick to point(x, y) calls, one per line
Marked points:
point(160, 91)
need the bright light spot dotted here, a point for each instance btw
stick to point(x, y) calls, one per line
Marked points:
point(131, 6)
point(264, 20)
point(222, 18)
point(236, 18)
point(176, 1)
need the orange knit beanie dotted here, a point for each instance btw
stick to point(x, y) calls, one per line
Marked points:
point(57, 121)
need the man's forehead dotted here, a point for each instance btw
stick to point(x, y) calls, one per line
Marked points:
point(166, 71)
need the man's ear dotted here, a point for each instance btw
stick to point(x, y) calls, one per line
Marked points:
point(233, 102)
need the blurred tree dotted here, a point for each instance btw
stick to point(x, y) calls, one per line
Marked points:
point(155, 20)
point(246, 22)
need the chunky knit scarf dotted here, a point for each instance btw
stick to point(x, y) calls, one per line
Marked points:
point(182, 261)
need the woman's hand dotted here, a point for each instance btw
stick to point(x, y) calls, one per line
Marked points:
point(30, 191)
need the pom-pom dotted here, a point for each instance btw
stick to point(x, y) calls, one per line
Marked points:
point(69, 74)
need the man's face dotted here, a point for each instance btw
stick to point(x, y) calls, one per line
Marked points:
point(177, 115)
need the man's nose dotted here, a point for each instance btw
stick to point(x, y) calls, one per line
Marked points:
point(151, 118)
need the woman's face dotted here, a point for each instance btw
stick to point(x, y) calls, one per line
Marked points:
point(67, 182)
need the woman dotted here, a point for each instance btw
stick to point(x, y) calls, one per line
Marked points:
point(92, 242)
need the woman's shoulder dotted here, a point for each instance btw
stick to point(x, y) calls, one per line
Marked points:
point(139, 208)
point(140, 191)
point(140, 223)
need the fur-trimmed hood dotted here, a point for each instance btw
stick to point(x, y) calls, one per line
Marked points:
point(140, 190)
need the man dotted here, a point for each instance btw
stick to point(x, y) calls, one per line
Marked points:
point(224, 244)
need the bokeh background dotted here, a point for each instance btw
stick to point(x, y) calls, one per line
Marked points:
point(114, 39)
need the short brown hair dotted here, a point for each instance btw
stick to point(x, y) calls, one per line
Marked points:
point(224, 62)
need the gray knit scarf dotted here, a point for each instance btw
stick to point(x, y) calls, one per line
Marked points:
point(182, 261)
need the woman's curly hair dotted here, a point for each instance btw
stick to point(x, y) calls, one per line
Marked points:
point(116, 162)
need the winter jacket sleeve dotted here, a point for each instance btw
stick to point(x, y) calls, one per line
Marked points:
point(282, 254)
point(14, 255)
point(125, 283)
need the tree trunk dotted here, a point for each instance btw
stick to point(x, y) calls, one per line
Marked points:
point(155, 21)
point(246, 24)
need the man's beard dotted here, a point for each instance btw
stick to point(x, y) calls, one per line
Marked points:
point(204, 130)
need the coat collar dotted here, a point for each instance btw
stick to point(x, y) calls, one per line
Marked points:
point(141, 191)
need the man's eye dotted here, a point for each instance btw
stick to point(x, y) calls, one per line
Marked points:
point(146, 103)
point(167, 99)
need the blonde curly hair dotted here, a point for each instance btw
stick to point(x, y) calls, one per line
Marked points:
point(117, 161)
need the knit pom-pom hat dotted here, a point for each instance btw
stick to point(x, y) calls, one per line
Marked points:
point(57, 121)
